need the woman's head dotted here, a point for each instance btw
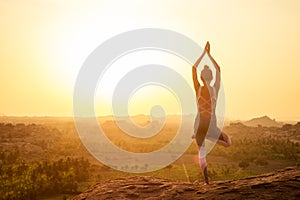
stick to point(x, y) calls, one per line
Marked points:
point(206, 75)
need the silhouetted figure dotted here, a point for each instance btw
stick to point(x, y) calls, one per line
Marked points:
point(206, 121)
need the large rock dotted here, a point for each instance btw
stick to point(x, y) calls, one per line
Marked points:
point(281, 184)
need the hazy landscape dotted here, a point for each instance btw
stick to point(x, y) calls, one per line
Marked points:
point(106, 58)
point(43, 157)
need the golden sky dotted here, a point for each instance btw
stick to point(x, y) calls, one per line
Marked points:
point(44, 43)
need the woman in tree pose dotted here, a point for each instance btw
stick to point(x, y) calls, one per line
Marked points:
point(206, 123)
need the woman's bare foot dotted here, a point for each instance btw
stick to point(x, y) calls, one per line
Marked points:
point(206, 179)
point(226, 139)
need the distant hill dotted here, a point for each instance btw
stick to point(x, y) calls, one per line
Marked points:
point(263, 121)
point(280, 184)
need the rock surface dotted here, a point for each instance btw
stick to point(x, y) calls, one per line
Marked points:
point(281, 184)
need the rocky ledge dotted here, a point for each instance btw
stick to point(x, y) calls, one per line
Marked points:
point(280, 184)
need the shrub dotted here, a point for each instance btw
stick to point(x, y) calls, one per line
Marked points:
point(243, 164)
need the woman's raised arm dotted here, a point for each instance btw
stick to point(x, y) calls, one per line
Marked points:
point(218, 72)
point(194, 71)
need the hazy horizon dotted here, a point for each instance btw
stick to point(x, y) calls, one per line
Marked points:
point(145, 115)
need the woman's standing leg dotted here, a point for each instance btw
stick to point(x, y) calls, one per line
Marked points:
point(200, 139)
point(202, 162)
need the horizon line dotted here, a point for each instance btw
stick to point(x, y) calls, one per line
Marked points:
point(137, 115)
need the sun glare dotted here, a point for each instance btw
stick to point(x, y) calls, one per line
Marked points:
point(146, 96)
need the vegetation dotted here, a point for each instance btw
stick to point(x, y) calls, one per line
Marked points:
point(20, 180)
point(260, 150)
point(47, 159)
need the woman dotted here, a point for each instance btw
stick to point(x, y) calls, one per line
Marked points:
point(206, 122)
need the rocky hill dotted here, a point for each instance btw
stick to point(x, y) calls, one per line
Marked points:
point(283, 184)
point(263, 121)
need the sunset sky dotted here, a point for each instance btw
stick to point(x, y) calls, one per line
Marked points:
point(44, 43)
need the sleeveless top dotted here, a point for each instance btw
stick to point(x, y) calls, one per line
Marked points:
point(206, 101)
